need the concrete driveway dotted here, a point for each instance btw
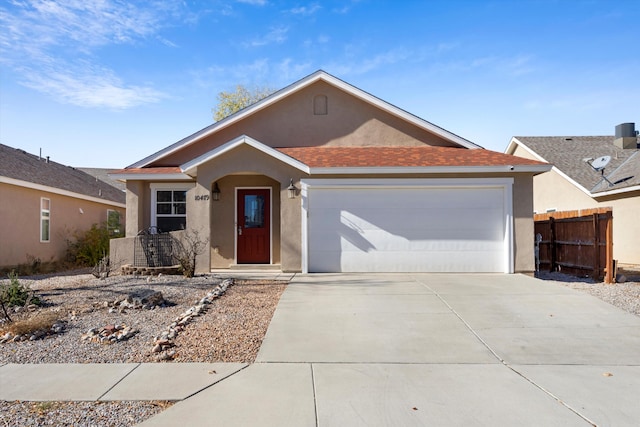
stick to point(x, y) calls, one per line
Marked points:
point(425, 349)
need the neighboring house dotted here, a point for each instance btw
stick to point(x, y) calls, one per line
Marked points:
point(324, 177)
point(574, 184)
point(42, 203)
point(103, 175)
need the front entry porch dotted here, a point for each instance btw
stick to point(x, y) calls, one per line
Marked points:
point(245, 224)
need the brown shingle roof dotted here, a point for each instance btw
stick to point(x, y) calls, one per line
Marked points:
point(424, 156)
point(20, 165)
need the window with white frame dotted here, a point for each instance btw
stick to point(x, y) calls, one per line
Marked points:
point(45, 219)
point(169, 206)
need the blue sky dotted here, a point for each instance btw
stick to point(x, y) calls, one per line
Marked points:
point(104, 83)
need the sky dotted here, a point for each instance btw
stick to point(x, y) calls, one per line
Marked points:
point(104, 83)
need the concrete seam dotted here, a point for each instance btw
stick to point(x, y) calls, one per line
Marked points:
point(504, 363)
point(217, 382)
point(118, 382)
point(315, 401)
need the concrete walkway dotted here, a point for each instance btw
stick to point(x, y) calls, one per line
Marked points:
point(406, 350)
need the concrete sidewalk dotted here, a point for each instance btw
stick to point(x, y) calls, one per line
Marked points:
point(410, 350)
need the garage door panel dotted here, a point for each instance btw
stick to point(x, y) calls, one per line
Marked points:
point(378, 241)
point(450, 225)
point(411, 229)
point(442, 261)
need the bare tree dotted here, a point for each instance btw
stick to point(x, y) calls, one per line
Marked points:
point(187, 248)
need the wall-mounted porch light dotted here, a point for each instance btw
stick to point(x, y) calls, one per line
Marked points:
point(216, 192)
point(291, 189)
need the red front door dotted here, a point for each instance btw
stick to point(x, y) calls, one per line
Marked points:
point(254, 226)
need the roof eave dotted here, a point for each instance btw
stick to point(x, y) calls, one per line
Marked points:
point(395, 170)
point(151, 177)
point(55, 190)
point(615, 192)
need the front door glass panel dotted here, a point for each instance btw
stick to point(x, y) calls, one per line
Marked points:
point(253, 211)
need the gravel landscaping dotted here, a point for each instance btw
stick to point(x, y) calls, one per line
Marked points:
point(231, 329)
point(625, 296)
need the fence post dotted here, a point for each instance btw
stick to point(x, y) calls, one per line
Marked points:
point(596, 244)
point(608, 278)
point(552, 243)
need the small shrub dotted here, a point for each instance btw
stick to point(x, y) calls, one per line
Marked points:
point(42, 321)
point(17, 294)
point(89, 247)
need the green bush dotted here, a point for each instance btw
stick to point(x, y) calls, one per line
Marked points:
point(89, 246)
point(16, 294)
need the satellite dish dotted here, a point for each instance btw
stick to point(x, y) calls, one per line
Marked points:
point(600, 163)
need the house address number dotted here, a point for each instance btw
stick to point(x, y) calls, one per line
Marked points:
point(202, 197)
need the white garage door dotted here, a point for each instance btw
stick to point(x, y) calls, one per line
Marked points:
point(424, 226)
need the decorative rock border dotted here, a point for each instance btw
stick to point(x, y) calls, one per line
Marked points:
point(109, 334)
point(165, 340)
point(129, 269)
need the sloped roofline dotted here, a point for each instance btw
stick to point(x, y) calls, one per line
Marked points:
point(190, 168)
point(516, 142)
point(319, 75)
point(60, 191)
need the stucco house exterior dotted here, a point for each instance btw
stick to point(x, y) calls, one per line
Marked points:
point(574, 183)
point(324, 177)
point(43, 202)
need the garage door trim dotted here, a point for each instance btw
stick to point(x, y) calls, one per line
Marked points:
point(504, 184)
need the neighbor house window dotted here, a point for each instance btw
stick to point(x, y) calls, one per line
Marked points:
point(169, 207)
point(45, 219)
point(113, 223)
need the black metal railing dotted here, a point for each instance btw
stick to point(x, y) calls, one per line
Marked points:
point(153, 248)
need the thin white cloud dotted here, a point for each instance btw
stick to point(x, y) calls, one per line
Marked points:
point(253, 2)
point(306, 10)
point(367, 64)
point(36, 37)
point(85, 86)
point(275, 35)
point(262, 72)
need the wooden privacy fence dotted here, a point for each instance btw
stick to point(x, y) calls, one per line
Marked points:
point(576, 242)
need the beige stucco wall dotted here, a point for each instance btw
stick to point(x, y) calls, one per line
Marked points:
point(138, 207)
point(554, 192)
point(20, 223)
point(246, 167)
point(291, 123)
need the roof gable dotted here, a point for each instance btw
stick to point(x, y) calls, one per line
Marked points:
point(319, 76)
point(568, 154)
point(21, 168)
